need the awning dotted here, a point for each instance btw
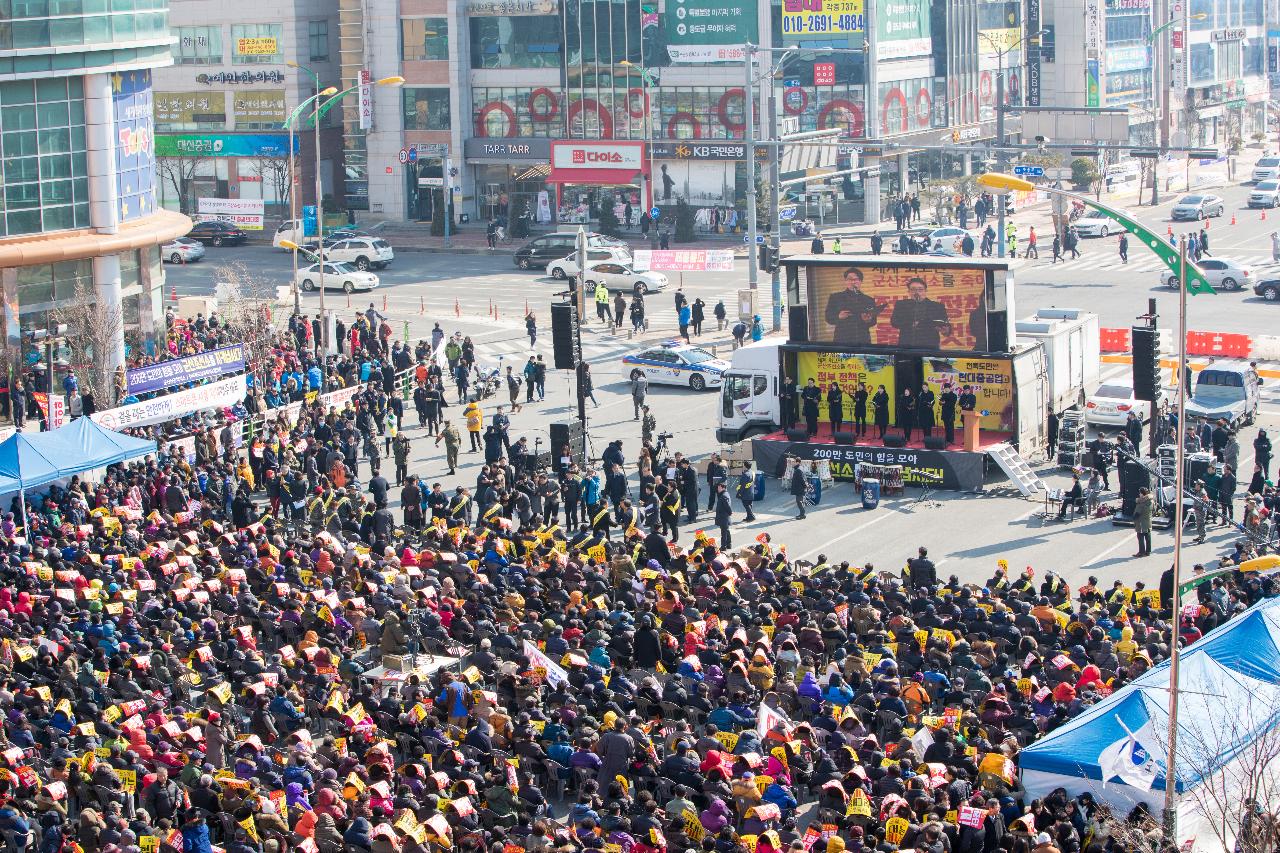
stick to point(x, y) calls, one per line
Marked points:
point(539, 171)
point(601, 177)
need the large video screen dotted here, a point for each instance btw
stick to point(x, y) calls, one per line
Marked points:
point(924, 308)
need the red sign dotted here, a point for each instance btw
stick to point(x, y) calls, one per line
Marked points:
point(824, 74)
point(1177, 39)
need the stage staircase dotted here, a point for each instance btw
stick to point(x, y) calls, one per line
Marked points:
point(1017, 469)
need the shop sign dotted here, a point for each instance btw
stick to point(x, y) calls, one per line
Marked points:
point(184, 107)
point(239, 78)
point(903, 29)
point(266, 106)
point(511, 8)
point(597, 155)
point(823, 17)
point(366, 99)
point(709, 30)
point(1233, 34)
point(223, 145)
point(257, 47)
point(698, 151)
point(523, 150)
point(824, 74)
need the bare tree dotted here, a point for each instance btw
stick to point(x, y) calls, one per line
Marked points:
point(245, 307)
point(1235, 757)
point(94, 341)
point(273, 170)
point(180, 172)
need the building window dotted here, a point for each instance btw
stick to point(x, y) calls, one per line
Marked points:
point(1229, 60)
point(256, 44)
point(516, 42)
point(1202, 65)
point(426, 109)
point(318, 38)
point(197, 45)
point(45, 184)
point(1253, 58)
point(424, 38)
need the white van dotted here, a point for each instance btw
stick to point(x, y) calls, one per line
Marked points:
point(291, 230)
point(1266, 169)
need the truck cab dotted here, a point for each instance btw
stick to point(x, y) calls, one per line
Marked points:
point(749, 393)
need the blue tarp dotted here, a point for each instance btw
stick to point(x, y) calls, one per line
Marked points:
point(1229, 693)
point(31, 460)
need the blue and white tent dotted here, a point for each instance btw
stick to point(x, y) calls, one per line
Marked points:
point(1228, 735)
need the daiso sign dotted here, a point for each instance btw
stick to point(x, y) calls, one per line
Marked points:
point(624, 156)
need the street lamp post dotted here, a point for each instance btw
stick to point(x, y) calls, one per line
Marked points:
point(1166, 51)
point(1000, 55)
point(1191, 280)
point(316, 116)
point(291, 124)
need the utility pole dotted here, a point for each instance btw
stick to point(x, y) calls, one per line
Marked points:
point(749, 136)
point(1162, 88)
point(1000, 200)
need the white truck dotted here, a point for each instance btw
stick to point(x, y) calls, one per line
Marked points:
point(1054, 363)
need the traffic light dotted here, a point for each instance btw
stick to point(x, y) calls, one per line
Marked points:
point(767, 257)
point(1146, 363)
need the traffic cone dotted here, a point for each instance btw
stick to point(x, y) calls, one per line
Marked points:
point(1170, 230)
point(422, 305)
point(384, 296)
point(1233, 219)
point(491, 314)
point(495, 312)
point(1206, 225)
point(173, 293)
point(1264, 214)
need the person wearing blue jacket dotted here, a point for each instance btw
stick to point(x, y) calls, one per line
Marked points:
point(195, 834)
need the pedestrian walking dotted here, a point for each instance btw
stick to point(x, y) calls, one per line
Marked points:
point(721, 315)
point(619, 309)
point(475, 424)
point(513, 389)
point(877, 242)
point(1056, 248)
point(1143, 507)
point(799, 485)
point(639, 391)
point(697, 315)
point(1203, 242)
point(452, 444)
point(685, 317)
point(1033, 250)
point(724, 512)
point(587, 383)
point(746, 492)
point(664, 236)
point(1124, 248)
point(531, 329)
point(491, 234)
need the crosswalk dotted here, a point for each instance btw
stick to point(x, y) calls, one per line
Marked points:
point(1104, 258)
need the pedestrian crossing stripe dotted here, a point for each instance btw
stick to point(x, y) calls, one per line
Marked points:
point(1097, 261)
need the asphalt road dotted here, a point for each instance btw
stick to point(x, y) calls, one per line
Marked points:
point(486, 297)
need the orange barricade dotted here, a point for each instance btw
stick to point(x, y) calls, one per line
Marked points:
point(1237, 346)
point(1199, 343)
point(1113, 340)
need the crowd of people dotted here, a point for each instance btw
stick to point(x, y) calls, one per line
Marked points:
point(247, 648)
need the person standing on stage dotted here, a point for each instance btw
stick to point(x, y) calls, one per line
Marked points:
point(949, 400)
point(860, 410)
point(925, 401)
point(811, 396)
point(835, 407)
point(906, 414)
point(880, 402)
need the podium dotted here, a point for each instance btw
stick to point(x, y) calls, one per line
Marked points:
point(970, 430)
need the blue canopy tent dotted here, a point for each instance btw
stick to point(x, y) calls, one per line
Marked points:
point(1228, 719)
point(31, 460)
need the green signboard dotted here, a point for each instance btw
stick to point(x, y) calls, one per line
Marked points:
point(223, 145)
point(902, 29)
point(709, 30)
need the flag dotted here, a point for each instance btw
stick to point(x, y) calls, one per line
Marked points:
point(1130, 759)
point(767, 719)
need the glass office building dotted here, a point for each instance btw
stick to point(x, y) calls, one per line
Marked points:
point(78, 218)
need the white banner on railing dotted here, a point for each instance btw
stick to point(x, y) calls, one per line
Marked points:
point(215, 395)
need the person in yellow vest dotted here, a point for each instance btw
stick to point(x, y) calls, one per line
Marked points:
point(475, 423)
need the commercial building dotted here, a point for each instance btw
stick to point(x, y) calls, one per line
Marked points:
point(505, 94)
point(220, 107)
point(80, 219)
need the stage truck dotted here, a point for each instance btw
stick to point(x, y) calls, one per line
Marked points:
point(902, 326)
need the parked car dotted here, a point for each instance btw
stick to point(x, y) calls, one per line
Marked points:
point(1268, 289)
point(336, 277)
point(291, 230)
point(215, 232)
point(1266, 193)
point(1226, 392)
point(1095, 223)
point(947, 239)
point(1111, 404)
point(1266, 169)
point(1198, 207)
point(677, 364)
point(361, 252)
point(568, 267)
point(1222, 274)
point(183, 250)
point(620, 276)
point(541, 251)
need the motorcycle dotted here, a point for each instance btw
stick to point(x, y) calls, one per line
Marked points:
point(1077, 210)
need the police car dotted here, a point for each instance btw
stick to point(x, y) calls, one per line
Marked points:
point(677, 363)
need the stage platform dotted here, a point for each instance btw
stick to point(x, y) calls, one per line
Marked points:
point(953, 468)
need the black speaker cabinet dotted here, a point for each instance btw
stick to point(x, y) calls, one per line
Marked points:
point(894, 439)
point(798, 323)
point(935, 442)
point(797, 435)
point(843, 437)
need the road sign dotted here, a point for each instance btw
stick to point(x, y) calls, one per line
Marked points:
point(413, 155)
point(655, 213)
point(1058, 173)
point(1029, 171)
point(791, 84)
point(759, 238)
point(747, 239)
point(404, 155)
point(785, 213)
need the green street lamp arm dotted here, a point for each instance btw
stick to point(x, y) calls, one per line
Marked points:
point(292, 120)
point(328, 104)
point(1196, 282)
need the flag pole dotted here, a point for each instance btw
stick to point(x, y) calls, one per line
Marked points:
point(1170, 774)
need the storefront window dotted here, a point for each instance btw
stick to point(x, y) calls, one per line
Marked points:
point(512, 192)
point(426, 109)
point(532, 41)
point(424, 38)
